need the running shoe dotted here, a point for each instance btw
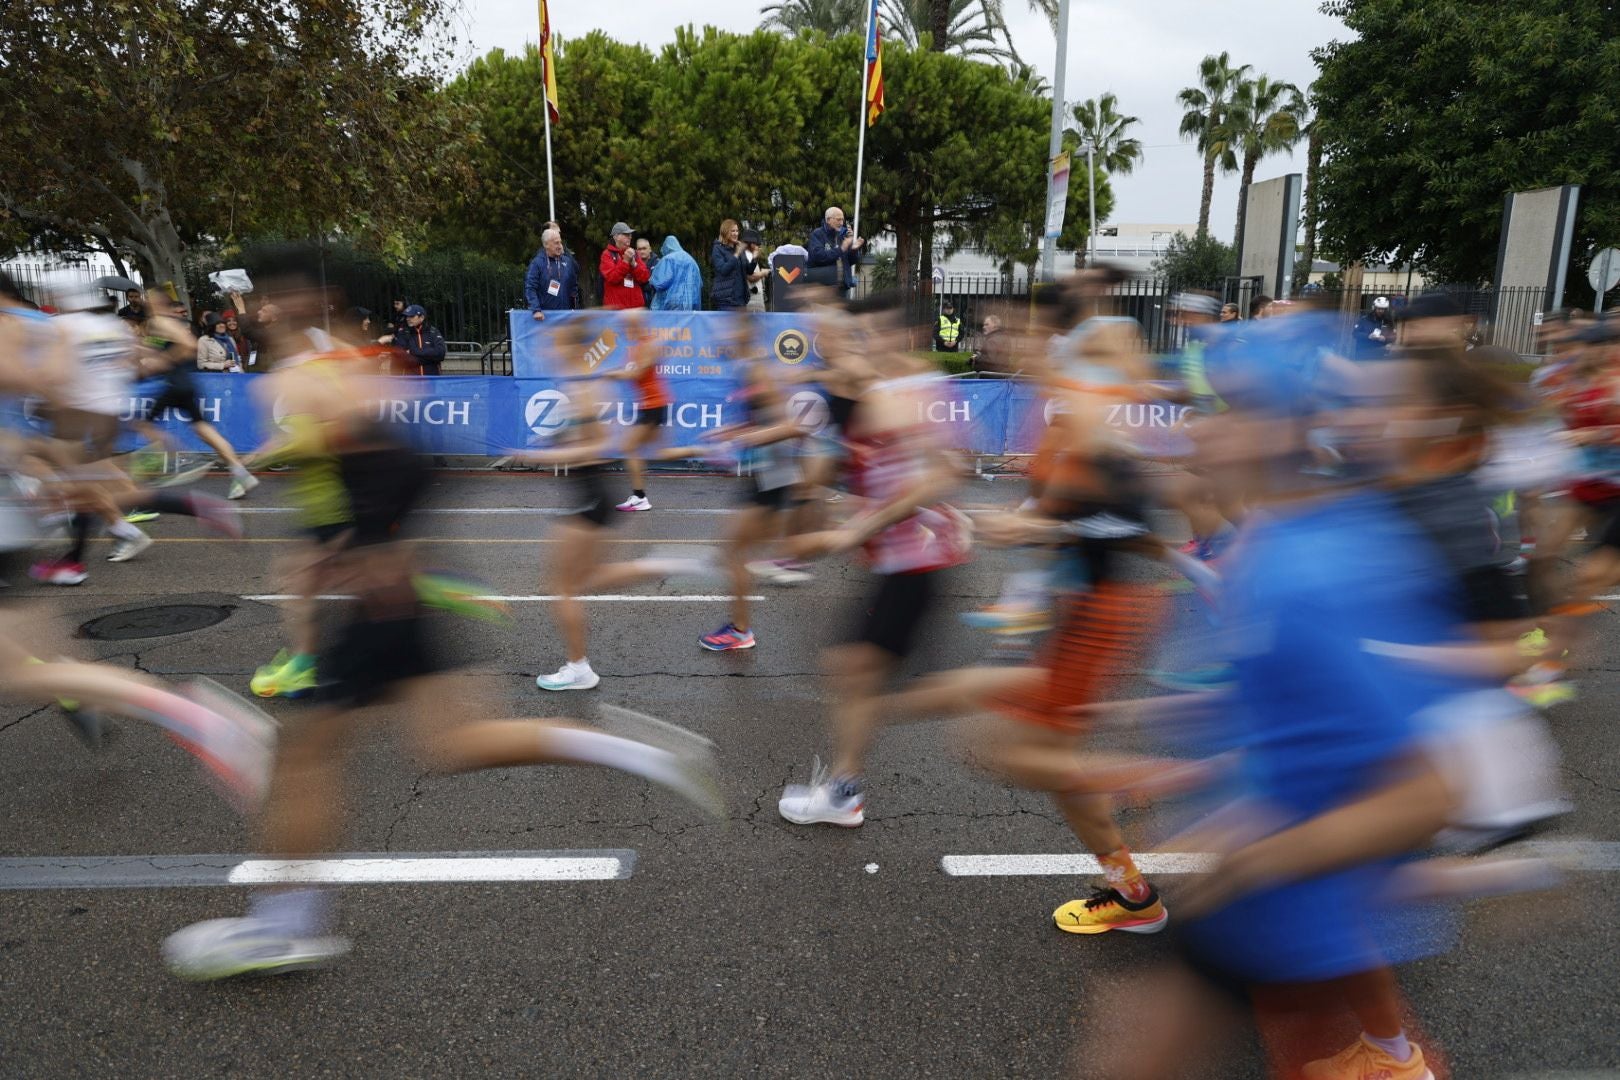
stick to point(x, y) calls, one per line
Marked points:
point(241, 485)
point(141, 517)
point(695, 778)
point(88, 724)
point(58, 572)
point(145, 464)
point(238, 746)
point(218, 515)
point(1208, 678)
point(127, 549)
point(1363, 1060)
point(1545, 695)
point(461, 595)
point(289, 679)
point(824, 801)
point(1019, 620)
point(225, 948)
point(781, 571)
point(571, 676)
point(1191, 547)
point(633, 503)
point(1534, 643)
point(1107, 909)
point(727, 638)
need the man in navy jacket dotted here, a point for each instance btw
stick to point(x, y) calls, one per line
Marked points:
point(834, 251)
point(552, 283)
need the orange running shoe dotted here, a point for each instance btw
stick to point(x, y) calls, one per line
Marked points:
point(1107, 909)
point(1363, 1060)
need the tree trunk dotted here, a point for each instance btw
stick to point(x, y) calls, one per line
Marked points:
point(1313, 164)
point(905, 265)
point(1250, 160)
point(939, 23)
point(1209, 194)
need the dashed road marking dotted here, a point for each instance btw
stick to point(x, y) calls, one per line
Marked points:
point(606, 598)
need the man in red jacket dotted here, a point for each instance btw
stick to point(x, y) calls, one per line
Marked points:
point(623, 274)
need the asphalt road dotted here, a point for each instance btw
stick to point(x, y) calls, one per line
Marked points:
point(744, 947)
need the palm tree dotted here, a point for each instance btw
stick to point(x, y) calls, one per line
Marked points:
point(1204, 121)
point(969, 28)
point(1266, 117)
point(1097, 121)
point(831, 17)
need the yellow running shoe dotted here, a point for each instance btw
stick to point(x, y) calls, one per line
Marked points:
point(1365, 1061)
point(1534, 643)
point(284, 676)
point(1107, 909)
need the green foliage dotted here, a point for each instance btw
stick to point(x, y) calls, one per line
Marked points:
point(1206, 108)
point(829, 17)
point(1435, 110)
point(1195, 262)
point(1099, 121)
point(145, 125)
point(972, 27)
point(760, 127)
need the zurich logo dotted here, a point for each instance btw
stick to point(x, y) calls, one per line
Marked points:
point(808, 410)
point(547, 412)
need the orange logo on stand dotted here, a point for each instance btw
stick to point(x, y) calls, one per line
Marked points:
point(601, 349)
point(790, 278)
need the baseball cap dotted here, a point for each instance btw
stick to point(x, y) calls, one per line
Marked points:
point(751, 236)
point(1431, 305)
point(415, 309)
point(619, 228)
point(1195, 304)
point(1380, 303)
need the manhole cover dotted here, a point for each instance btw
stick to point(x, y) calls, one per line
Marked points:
point(150, 622)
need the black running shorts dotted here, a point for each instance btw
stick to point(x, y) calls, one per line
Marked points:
point(890, 618)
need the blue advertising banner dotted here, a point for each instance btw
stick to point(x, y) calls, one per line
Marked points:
point(692, 344)
point(491, 416)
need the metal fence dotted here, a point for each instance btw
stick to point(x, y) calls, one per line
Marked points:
point(31, 274)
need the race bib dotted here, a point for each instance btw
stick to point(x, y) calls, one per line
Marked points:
point(554, 288)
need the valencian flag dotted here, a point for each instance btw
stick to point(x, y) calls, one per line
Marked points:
point(547, 60)
point(874, 66)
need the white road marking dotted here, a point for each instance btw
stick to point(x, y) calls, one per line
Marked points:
point(606, 598)
point(1586, 855)
point(527, 511)
point(367, 868)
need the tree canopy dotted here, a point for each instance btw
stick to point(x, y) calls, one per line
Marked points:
point(1436, 110)
point(959, 157)
point(141, 126)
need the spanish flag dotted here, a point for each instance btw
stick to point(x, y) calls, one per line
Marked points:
point(548, 63)
point(874, 66)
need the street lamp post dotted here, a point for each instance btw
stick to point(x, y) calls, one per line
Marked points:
point(1049, 244)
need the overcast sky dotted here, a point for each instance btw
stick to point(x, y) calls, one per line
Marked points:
point(1143, 50)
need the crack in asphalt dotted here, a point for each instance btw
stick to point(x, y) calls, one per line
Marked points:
point(1576, 772)
point(403, 809)
point(25, 716)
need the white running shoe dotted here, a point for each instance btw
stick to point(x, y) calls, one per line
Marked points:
point(223, 948)
point(241, 485)
point(819, 803)
point(126, 550)
point(570, 676)
point(240, 748)
point(781, 571)
point(695, 757)
point(634, 502)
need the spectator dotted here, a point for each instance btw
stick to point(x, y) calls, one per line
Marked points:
point(649, 259)
point(995, 351)
point(1374, 333)
point(397, 321)
point(134, 309)
point(834, 251)
point(1229, 313)
point(421, 343)
point(255, 327)
point(623, 274)
point(677, 281)
point(1258, 306)
point(552, 283)
point(216, 351)
point(948, 334)
point(758, 273)
point(233, 327)
point(728, 269)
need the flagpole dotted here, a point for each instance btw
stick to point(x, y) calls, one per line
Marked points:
point(545, 107)
point(866, 110)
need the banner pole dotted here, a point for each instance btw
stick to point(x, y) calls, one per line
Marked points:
point(860, 149)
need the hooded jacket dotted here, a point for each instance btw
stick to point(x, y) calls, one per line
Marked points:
point(728, 287)
point(677, 280)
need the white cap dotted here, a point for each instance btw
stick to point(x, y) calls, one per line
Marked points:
point(1380, 302)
